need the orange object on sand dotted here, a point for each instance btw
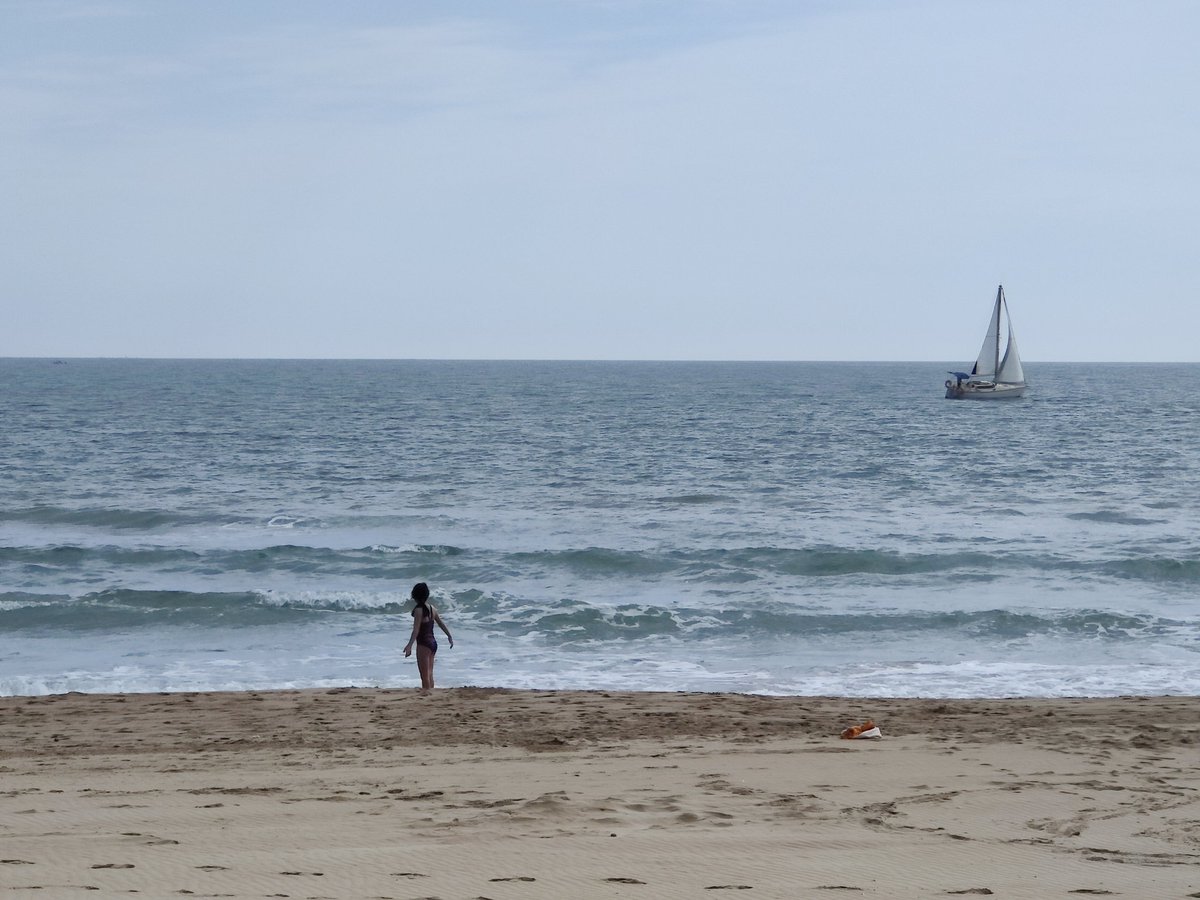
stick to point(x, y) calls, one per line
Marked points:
point(855, 730)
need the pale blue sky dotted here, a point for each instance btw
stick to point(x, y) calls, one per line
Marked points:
point(599, 179)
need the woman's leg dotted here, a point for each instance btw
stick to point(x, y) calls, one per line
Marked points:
point(425, 666)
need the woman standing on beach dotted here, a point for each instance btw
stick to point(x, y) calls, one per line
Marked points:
point(424, 618)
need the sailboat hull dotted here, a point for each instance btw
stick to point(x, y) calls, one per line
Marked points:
point(969, 390)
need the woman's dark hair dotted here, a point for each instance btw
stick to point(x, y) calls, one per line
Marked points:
point(420, 593)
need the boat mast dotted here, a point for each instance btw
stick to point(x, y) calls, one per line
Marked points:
point(999, 303)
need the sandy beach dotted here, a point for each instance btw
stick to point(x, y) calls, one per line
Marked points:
point(486, 793)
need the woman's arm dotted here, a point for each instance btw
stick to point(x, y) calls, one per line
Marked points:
point(442, 625)
point(417, 617)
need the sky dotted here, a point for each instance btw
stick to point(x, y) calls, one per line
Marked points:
point(599, 179)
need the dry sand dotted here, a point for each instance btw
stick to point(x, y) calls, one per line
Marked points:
point(515, 795)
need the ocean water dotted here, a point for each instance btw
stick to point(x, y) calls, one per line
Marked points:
point(782, 528)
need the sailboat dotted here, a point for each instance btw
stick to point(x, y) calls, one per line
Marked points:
point(997, 373)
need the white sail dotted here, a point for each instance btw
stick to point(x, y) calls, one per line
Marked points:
point(989, 354)
point(1010, 370)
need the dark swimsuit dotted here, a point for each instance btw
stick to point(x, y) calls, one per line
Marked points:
point(425, 636)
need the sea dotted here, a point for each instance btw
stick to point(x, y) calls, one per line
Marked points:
point(788, 528)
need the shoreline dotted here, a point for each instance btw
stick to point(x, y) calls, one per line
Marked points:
point(501, 793)
point(1132, 718)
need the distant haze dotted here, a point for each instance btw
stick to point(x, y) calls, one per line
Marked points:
point(599, 179)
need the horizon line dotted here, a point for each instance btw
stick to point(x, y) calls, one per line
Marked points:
point(553, 359)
